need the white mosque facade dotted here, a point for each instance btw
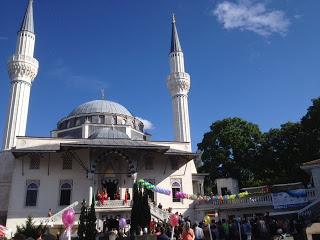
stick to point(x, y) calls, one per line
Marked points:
point(99, 145)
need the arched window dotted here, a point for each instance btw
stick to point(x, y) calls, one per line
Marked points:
point(65, 192)
point(78, 121)
point(95, 119)
point(32, 194)
point(176, 187)
point(102, 119)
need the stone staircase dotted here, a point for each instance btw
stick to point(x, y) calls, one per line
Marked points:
point(56, 218)
point(311, 211)
point(158, 213)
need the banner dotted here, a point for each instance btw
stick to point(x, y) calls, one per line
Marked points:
point(292, 198)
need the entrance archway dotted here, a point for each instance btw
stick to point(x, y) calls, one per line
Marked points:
point(111, 186)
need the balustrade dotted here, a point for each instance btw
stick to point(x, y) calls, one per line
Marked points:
point(250, 201)
point(114, 204)
point(24, 58)
point(159, 213)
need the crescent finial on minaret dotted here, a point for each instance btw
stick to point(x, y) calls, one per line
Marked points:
point(175, 43)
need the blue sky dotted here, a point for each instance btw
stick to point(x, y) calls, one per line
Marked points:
point(258, 60)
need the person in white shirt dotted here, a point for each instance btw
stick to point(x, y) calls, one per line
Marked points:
point(198, 232)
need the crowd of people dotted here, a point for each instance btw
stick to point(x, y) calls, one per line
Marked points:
point(258, 228)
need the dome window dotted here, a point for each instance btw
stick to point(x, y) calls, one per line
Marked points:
point(78, 121)
point(101, 119)
point(95, 119)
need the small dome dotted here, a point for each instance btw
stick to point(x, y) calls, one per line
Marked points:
point(108, 133)
point(100, 106)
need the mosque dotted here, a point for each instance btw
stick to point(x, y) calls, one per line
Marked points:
point(100, 146)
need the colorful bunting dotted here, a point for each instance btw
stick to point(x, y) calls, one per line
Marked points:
point(154, 188)
point(199, 198)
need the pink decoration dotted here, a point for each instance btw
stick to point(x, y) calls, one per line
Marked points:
point(68, 217)
point(174, 220)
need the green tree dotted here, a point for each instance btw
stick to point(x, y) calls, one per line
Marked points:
point(82, 221)
point(310, 124)
point(282, 155)
point(90, 233)
point(30, 229)
point(135, 210)
point(140, 212)
point(234, 144)
point(146, 210)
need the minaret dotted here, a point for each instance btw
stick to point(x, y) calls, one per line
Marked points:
point(178, 83)
point(22, 69)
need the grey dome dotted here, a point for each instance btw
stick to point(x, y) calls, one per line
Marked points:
point(108, 133)
point(100, 106)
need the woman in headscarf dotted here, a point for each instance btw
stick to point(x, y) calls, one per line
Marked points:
point(187, 233)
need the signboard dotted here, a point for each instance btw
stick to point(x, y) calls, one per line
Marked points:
point(291, 198)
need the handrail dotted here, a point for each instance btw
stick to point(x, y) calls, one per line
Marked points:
point(56, 217)
point(113, 204)
point(251, 201)
point(305, 211)
point(159, 213)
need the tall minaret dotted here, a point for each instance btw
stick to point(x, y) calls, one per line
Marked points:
point(178, 83)
point(22, 69)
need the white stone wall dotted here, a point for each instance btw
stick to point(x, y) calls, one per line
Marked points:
point(229, 183)
point(50, 174)
point(163, 175)
point(6, 170)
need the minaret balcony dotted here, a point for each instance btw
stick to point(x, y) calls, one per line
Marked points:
point(22, 66)
point(180, 75)
point(24, 58)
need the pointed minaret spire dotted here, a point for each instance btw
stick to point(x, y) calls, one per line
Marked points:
point(178, 83)
point(175, 43)
point(27, 23)
point(22, 69)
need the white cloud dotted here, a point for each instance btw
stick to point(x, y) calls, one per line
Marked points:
point(147, 124)
point(250, 16)
point(2, 38)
